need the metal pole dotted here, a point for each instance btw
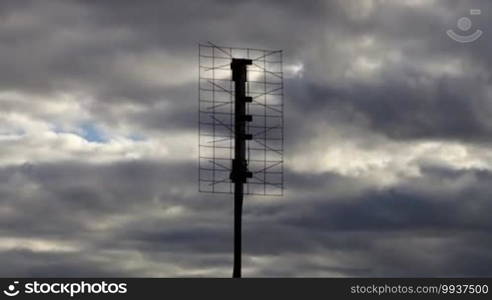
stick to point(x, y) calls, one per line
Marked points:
point(238, 210)
point(239, 173)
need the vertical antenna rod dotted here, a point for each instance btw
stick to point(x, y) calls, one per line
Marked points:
point(239, 172)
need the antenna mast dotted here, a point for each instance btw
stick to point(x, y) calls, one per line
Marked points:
point(239, 173)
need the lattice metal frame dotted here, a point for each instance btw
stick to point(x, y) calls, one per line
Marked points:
point(216, 120)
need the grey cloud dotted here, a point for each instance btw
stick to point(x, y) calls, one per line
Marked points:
point(373, 230)
point(145, 218)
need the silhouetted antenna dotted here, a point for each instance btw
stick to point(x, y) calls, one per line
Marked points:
point(240, 126)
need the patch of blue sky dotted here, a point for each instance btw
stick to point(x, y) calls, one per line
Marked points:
point(92, 133)
point(89, 131)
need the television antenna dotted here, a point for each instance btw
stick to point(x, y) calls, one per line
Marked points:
point(241, 122)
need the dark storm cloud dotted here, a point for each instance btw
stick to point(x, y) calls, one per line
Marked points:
point(98, 50)
point(409, 206)
point(373, 231)
point(145, 218)
point(74, 201)
point(451, 109)
point(407, 230)
point(76, 42)
point(407, 99)
point(31, 264)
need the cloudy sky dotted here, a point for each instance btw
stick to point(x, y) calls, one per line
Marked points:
point(388, 135)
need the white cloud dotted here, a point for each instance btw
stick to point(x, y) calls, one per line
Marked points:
point(37, 245)
point(41, 129)
point(384, 161)
point(155, 68)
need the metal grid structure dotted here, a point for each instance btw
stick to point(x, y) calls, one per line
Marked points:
point(264, 152)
